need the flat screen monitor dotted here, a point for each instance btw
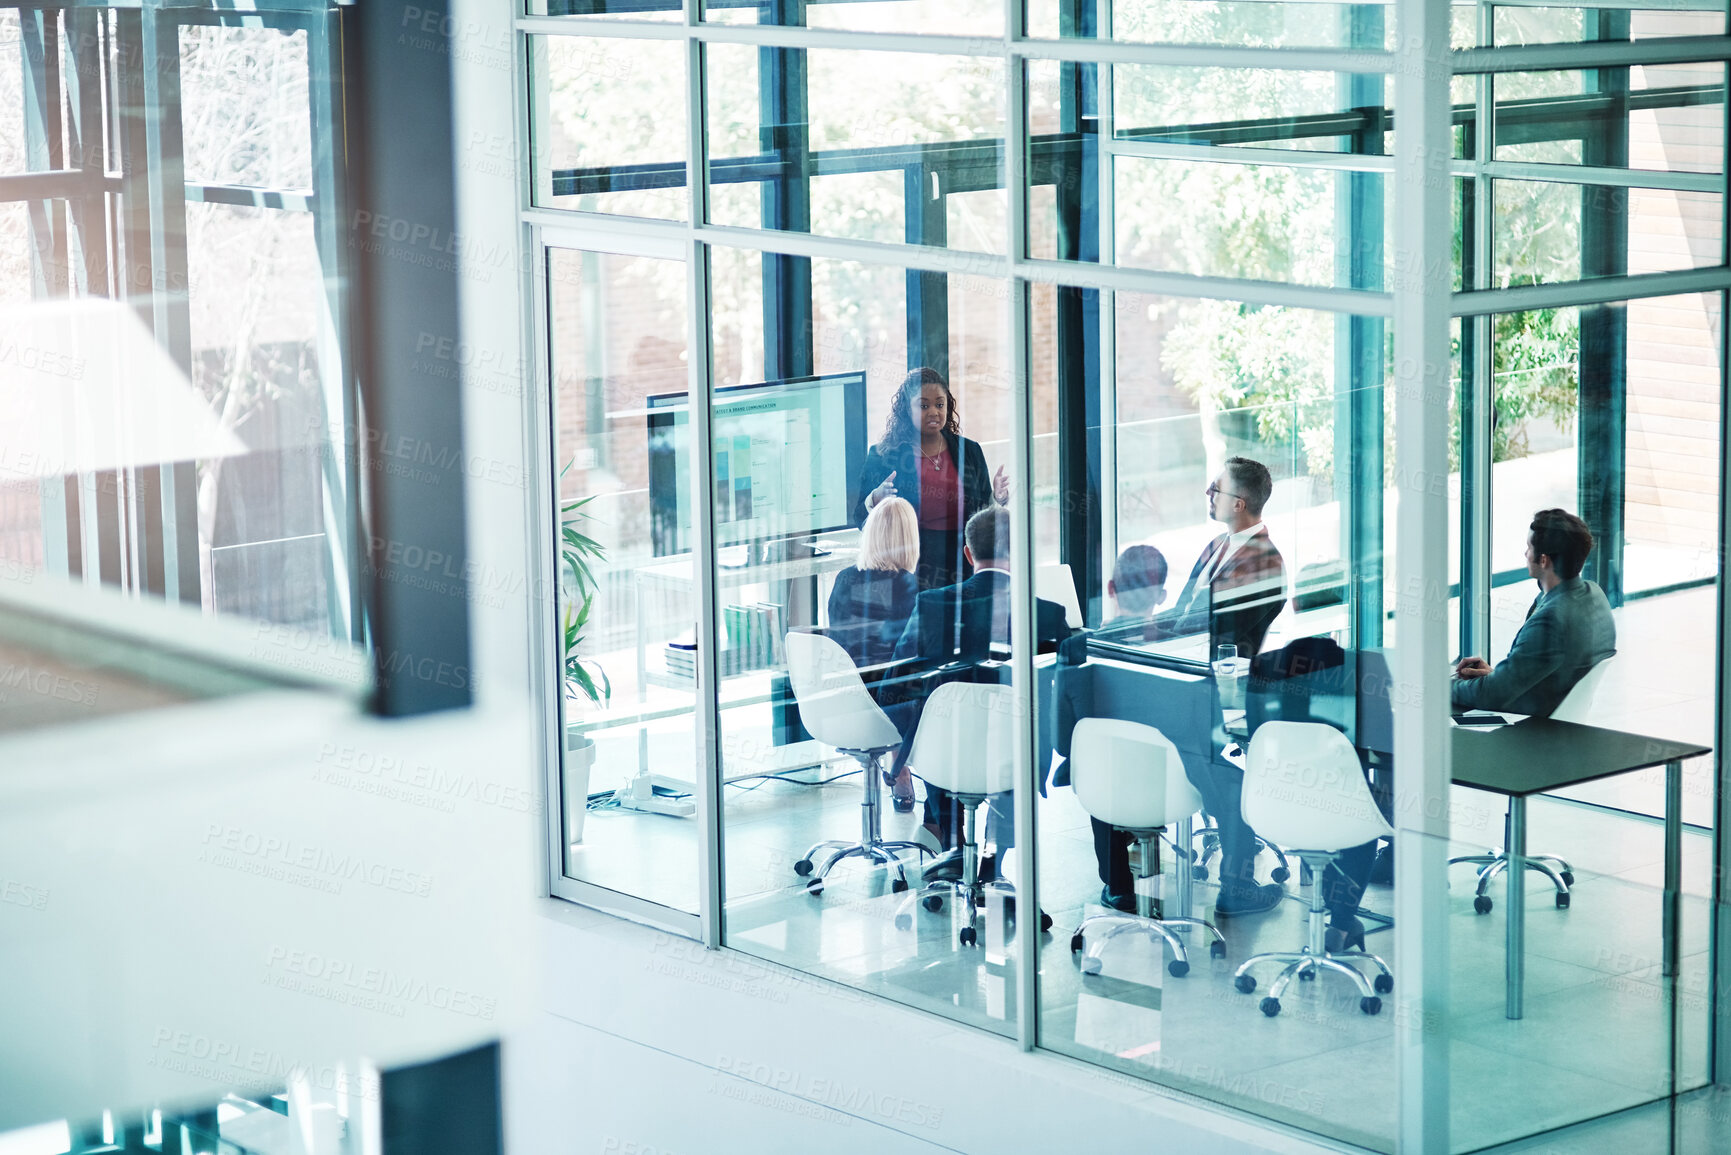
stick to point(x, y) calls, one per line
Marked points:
point(787, 461)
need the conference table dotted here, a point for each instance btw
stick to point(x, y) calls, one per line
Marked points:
point(1538, 755)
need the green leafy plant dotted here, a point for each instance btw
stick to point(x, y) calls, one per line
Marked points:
point(578, 553)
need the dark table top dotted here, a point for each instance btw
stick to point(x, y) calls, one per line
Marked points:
point(1540, 754)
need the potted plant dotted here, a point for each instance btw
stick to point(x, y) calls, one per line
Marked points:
point(578, 553)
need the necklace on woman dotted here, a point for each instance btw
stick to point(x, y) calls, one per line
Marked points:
point(936, 460)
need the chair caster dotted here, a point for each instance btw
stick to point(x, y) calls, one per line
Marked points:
point(1482, 904)
point(1270, 1007)
point(1177, 968)
point(1371, 1005)
point(1280, 874)
point(1568, 877)
point(1245, 983)
point(1199, 873)
point(1562, 900)
point(802, 867)
point(815, 888)
point(1090, 966)
point(897, 885)
point(1076, 944)
point(1307, 976)
point(1383, 984)
point(1045, 922)
point(967, 936)
point(933, 902)
point(1216, 949)
point(904, 922)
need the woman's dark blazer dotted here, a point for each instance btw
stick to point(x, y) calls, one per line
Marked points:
point(905, 464)
point(868, 609)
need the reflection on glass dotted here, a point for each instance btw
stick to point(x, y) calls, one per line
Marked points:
point(627, 586)
point(879, 146)
point(1667, 118)
point(1520, 24)
point(1538, 231)
point(590, 10)
point(1258, 23)
point(1264, 108)
point(609, 125)
point(232, 135)
point(959, 18)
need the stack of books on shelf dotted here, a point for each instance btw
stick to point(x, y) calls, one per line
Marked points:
point(753, 640)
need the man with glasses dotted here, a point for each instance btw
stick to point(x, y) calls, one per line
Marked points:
point(1234, 593)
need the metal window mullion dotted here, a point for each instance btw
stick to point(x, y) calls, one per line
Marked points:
point(1719, 1002)
point(1479, 383)
point(1250, 154)
point(1421, 372)
point(1700, 182)
point(340, 506)
point(1134, 280)
point(1022, 630)
point(1086, 51)
point(1598, 291)
point(1107, 149)
point(711, 847)
point(1592, 54)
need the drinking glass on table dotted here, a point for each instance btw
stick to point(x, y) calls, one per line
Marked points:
point(1229, 671)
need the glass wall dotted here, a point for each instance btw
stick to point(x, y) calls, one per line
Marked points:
point(1120, 779)
point(173, 260)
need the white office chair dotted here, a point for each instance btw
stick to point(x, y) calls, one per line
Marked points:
point(964, 744)
point(836, 707)
point(1303, 785)
point(1576, 707)
point(1130, 776)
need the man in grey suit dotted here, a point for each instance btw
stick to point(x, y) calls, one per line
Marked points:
point(1568, 630)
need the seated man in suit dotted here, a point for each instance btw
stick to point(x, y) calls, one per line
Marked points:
point(1568, 629)
point(958, 625)
point(1235, 591)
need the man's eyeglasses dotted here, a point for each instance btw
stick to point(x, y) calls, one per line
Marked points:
point(1214, 488)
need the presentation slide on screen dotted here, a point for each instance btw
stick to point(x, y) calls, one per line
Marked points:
point(780, 461)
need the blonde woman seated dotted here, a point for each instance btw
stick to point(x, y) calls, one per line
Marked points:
point(874, 598)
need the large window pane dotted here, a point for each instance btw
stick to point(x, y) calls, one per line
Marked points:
point(1664, 118)
point(628, 601)
point(797, 453)
point(1261, 23)
point(870, 145)
point(245, 116)
point(960, 18)
point(1546, 232)
point(608, 125)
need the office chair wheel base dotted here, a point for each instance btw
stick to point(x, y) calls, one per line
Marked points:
point(1371, 1005)
point(1177, 968)
point(1482, 904)
point(1217, 949)
point(1383, 984)
point(967, 936)
point(1199, 873)
point(1270, 1007)
point(897, 885)
point(904, 922)
point(1568, 877)
point(1562, 900)
point(933, 902)
point(1280, 874)
point(1045, 922)
point(1076, 944)
point(1245, 983)
point(802, 867)
point(815, 888)
point(1307, 976)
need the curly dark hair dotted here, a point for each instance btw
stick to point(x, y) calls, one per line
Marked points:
point(899, 430)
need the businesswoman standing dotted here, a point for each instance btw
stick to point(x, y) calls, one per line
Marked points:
point(924, 459)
